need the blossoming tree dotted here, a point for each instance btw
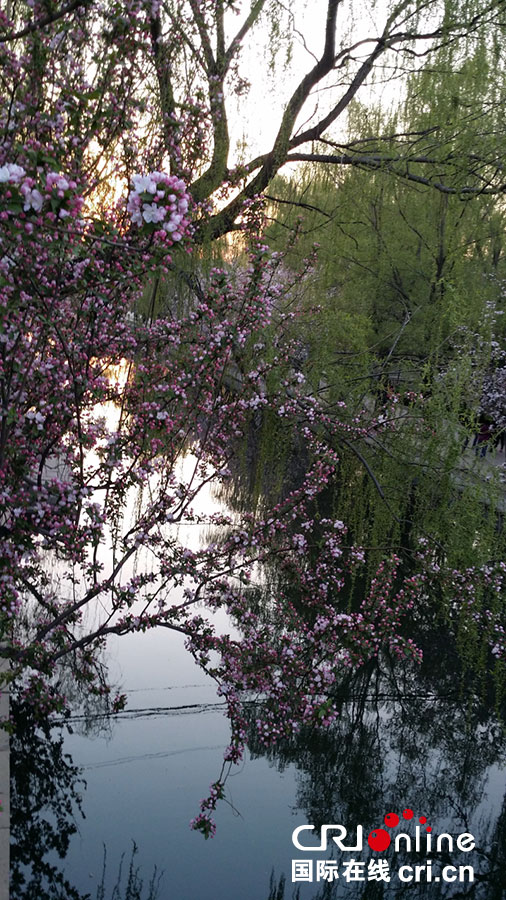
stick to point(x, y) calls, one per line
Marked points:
point(104, 191)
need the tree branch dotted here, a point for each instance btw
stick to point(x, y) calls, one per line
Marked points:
point(220, 34)
point(312, 134)
point(235, 44)
point(214, 175)
point(268, 164)
point(162, 54)
point(273, 160)
point(378, 162)
point(300, 204)
point(38, 24)
point(204, 37)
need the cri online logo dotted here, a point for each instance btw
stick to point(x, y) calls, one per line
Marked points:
point(380, 839)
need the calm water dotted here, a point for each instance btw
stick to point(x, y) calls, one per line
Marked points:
point(396, 746)
point(425, 740)
point(145, 782)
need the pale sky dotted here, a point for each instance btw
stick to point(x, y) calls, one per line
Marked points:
point(255, 117)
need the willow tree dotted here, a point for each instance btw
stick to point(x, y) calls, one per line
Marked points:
point(409, 281)
point(411, 260)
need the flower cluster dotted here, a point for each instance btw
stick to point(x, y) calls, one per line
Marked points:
point(205, 824)
point(22, 195)
point(159, 203)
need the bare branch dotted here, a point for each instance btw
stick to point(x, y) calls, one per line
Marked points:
point(298, 203)
point(102, 632)
point(312, 134)
point(378, 162)
point(392, 38)
point(248, 23)
point(276, 157)
point(387, 41)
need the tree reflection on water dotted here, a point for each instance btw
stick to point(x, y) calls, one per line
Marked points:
point(425, 739)
point(46, 802)
point(45, 797)
point(428, 737)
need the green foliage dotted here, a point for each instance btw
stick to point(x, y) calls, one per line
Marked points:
point(409, 282)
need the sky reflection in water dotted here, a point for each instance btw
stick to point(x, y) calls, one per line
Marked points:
point(147, 770)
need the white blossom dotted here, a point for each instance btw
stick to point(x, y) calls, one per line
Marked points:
point(11, 173)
